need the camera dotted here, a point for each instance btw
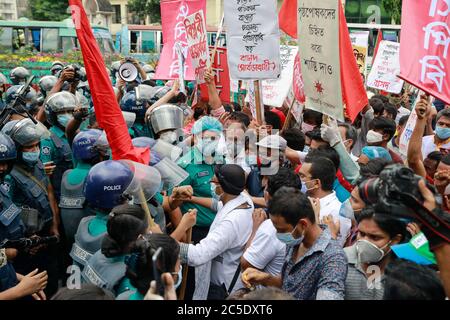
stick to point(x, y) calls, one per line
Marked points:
point(80, 73)
point(395, 191)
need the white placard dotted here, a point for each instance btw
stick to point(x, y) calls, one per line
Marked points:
point(383, 75)
point(318, 28)
point(275, 91)
point(253, 39)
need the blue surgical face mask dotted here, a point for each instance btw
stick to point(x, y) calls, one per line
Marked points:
point(442, 133)
point(63, 119)
point(207, 146)
point(288, 239)
point(180, 278)
point(31, 158)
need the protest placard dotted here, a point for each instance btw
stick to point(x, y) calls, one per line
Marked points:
point(222, 76)
point(252, 100)
point(198, 44)
point(253, 39)
point(407, 132)
point(383, 75)
point(275, 91)
point(424, 61)
point(320, 57)
point(360, 44)
point(298, 86)
point(173, 14)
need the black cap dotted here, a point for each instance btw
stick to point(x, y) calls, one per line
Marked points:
point(231, 178)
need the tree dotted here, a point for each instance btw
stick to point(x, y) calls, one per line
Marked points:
point(48, 10)
point(395, 8)
point(144, 8)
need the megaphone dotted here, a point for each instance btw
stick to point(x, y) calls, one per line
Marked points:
point(128, 72)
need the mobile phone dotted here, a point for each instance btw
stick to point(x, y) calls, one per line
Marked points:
point(158, 266)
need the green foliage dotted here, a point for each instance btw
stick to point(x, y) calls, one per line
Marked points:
point(48, 10)
point(142, 8)
point(395, 8)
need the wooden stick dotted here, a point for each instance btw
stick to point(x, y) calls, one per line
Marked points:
point(259, 114)
point(144, 205)
point(218, 34)
point(185, 269)
point(289, 116)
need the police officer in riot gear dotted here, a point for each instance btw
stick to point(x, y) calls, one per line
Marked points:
point(32, 192)
point(55, 151)
point(31, 101)
point(19, 75)
point(11, 226)
point(104, 189)
point(129, 103)
point(73, 202)
point(3, 83)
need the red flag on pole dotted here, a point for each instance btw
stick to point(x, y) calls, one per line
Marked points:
point(377, 44)
point(287, 18)
point(107, 110)
point(354, 94)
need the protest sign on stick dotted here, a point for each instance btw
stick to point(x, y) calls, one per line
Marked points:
point(424, 46)
point(253, 39)
point(275, 91)
point(222, 76)
point(198, 44)
point(360, 44)
point(318, 30)
point(173, 14)
point(385, 69)
point(254, 100)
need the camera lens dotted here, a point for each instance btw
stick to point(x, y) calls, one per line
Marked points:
point(368, 190)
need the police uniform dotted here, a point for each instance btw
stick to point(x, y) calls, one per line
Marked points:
point(141, 130)
point(88, 238)
point(104, 272)
point(157, 211)
point(57, 149)
point(72, 200)
point(8, 278)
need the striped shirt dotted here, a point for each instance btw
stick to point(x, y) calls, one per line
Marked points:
point(357, 285)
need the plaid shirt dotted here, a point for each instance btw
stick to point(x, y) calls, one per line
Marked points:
point(319, 274)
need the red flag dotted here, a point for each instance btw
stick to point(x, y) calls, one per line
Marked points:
point(377, 44)
point(354, 94)
point(287, 18)
point(424, 62)
point(107, 110)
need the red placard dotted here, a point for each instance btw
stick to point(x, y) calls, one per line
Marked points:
point(424, 62)
point(220, 67)
point(173, 14)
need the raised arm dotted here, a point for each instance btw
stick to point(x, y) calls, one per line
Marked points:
point(415, 159)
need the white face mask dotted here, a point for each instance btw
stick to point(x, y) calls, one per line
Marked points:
point(374, 137)
point(370, 253)
point(307, 127)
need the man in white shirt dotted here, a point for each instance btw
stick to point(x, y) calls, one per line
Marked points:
point(441, 140)
point(264, 251)
point(217, 257)
point(317, 175)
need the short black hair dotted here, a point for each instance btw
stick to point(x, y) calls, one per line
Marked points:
point(377, 105)
point(446, 159)
point(240, 117)
point(391, 109)
point(387, 126)
point(292, 205)
point(443, 113)
point(315, 135)
point(272, 119)
point(384, 99)
point(285, 177)
point(350, 132)
point(373, 168)
point(403, 120)
point(406, 280)
point(295, 138)
point(85, 292)
point(312, 117)
point(385, 222)
point(323, 169)
point(435, 156)
point(326, 152)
